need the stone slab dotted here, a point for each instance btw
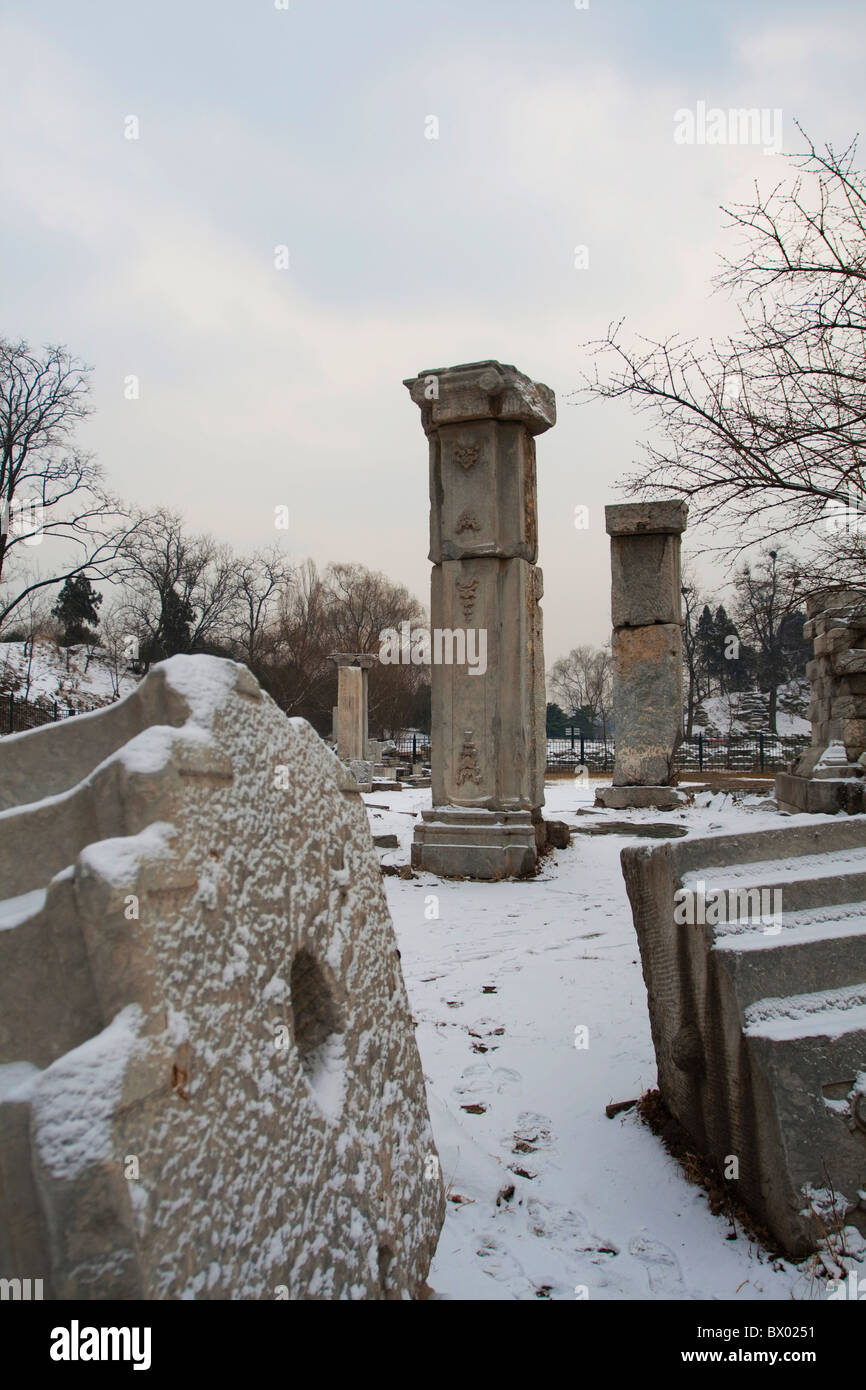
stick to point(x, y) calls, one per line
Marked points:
point(660, 798)
point(456, 843)
point(816, 796)
point(646, 518)
point(647, 700)
point(645, 579)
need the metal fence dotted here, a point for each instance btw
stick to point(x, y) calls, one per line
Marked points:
point(759, 752)
point(16, 714)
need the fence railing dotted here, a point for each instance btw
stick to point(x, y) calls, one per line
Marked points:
point(758, 752)
point(17, 715)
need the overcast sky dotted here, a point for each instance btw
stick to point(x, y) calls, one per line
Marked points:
point(307, 127)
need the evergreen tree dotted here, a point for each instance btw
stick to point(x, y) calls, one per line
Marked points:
point(174, 633)
point(76, 606)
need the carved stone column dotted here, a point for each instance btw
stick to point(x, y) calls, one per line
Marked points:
point(646, 610)
point(829, 776)
point(488, 709)
point(352, 679)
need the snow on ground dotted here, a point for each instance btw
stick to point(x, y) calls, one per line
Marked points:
point(721, 713)
point(498, 983)
point(59, 673)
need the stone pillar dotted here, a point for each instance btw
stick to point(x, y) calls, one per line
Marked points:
point(646, 611)
point(352, 671)
point(829, 776)
point(488, 749)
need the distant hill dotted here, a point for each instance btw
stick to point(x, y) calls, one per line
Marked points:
point(61, 674)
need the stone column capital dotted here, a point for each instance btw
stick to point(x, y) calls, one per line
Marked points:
point(481, 391)
point(667, 518)
point(363, 659)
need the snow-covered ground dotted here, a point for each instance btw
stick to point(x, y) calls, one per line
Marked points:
point(721, 712)
point(57, 673)
point(499, 981)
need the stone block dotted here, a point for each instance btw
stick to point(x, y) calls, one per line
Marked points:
point(758, 1010)
point(191, 973)
point(646, 518)
point(483, 492)
point(362, 771)
point(475, 843)
point(491, 751)
point(645, 579)
point(558, 834)
point(659, 798)
point(481, 391)
point(848, 663)
point(647, 665)
point(820, 795)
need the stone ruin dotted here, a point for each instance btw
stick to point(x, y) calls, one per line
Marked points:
point(754, 956)
point(829, 775)
point(209, 1082)
point(646, 612)
point(352, 704)
point(488, 728)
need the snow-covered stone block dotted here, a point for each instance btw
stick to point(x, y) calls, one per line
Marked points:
point(209, 1082)
point(754, 955)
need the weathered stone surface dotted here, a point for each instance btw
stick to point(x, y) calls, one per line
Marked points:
point(488, 745)
point(639, 830)
point(488, 740)
point(198, 973)
point(646, 518)
point(645, 580)
point(837, 709)
point(352, 718)
point(647, 642)
point(483, 492)
point(647, 703)
point(826, 796)
point(481, 391)
point(558, 833)
point(758, 1013)
point(475, 843)
point(362, 771)
point(663, 798)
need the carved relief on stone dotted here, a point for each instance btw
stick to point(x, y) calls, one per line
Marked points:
point(467, 521)
point(466, 589)
point(467, 454)
point(467, 768)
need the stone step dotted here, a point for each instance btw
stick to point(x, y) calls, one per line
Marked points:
point(798, 882)
point(759, 1027)
point(810, 954)
point(828, 1013)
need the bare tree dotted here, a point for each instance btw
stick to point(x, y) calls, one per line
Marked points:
point(182, 589)
point(292, 660)
point(119, 644)
point(261, 582)
point(691, 604)
point(48, 488)
point(769, 594)
point(583, 682)
point(347, 608)
point(770, 420)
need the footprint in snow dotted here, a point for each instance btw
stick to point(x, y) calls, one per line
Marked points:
point(484, 1079)
point(662, 1266)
